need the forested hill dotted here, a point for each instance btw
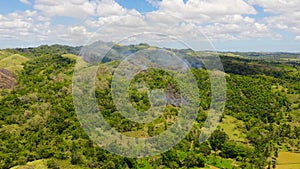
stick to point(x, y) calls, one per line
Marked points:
point(39, 127)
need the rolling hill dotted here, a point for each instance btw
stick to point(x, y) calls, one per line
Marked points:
point(39, 126)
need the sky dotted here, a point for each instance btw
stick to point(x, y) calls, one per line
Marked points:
point(222, 25)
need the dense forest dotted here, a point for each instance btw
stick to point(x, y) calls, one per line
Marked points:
point(39, 126)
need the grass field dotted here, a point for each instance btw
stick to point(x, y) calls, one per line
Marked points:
point(215, 161)
point(287, 160)
point(234, 128)
point(4, 54)
point(13, 63)
point(80, 62)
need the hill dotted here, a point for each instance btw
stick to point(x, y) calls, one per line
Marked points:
point(13, 62)
point(39, 124)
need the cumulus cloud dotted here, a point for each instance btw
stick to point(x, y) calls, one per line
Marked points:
point(25, 2)
point(74, 35)
point(216, 19)
point(207, 7)
point(108, 8)
point(154, 3)
point(286, 14)
point(277, 6)
point(31, 28)
point(18, 27)
point(71, 8)
point(18, 24)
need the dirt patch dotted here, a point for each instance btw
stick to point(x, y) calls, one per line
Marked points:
point(7, 79)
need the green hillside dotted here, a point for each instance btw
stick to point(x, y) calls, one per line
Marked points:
point(39, 126)
point(4, 54)
point(13, 62)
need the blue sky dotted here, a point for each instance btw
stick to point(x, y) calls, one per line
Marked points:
point(141, 5)
point(230, 25)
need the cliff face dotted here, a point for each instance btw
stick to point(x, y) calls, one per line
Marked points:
point(7, 79)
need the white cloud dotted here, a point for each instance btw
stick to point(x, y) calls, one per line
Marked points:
point(75, 35)
point(31, 28)
point(217, 19)
point(286, 14)
point(216, 8)
point(17, 23)
point(108, 8)
point(25, 2)
point(23, 28)
point(188, 21)
point(154, 3)
point(277, 6)
point(71, 8)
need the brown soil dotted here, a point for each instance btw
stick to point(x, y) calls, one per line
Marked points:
point(7, 79)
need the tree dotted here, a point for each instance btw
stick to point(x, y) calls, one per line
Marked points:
point(194, 160)
point(52, 164)
point(204, 148)
point(76, 158)
point(217, 139)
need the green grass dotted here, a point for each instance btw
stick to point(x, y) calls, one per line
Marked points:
point(71, 56)
point(137, 134)
point(38, 164)
point(219, 162)
point(234, 128)
point(79, 61)
point(234, 55)
point(279, 89)
point(4, 54)
point(210, 167)
point(42, 164)
point(13, 63)
point(294, 98)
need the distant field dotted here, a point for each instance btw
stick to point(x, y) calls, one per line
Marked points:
point(287, 160)
point(234, 128)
